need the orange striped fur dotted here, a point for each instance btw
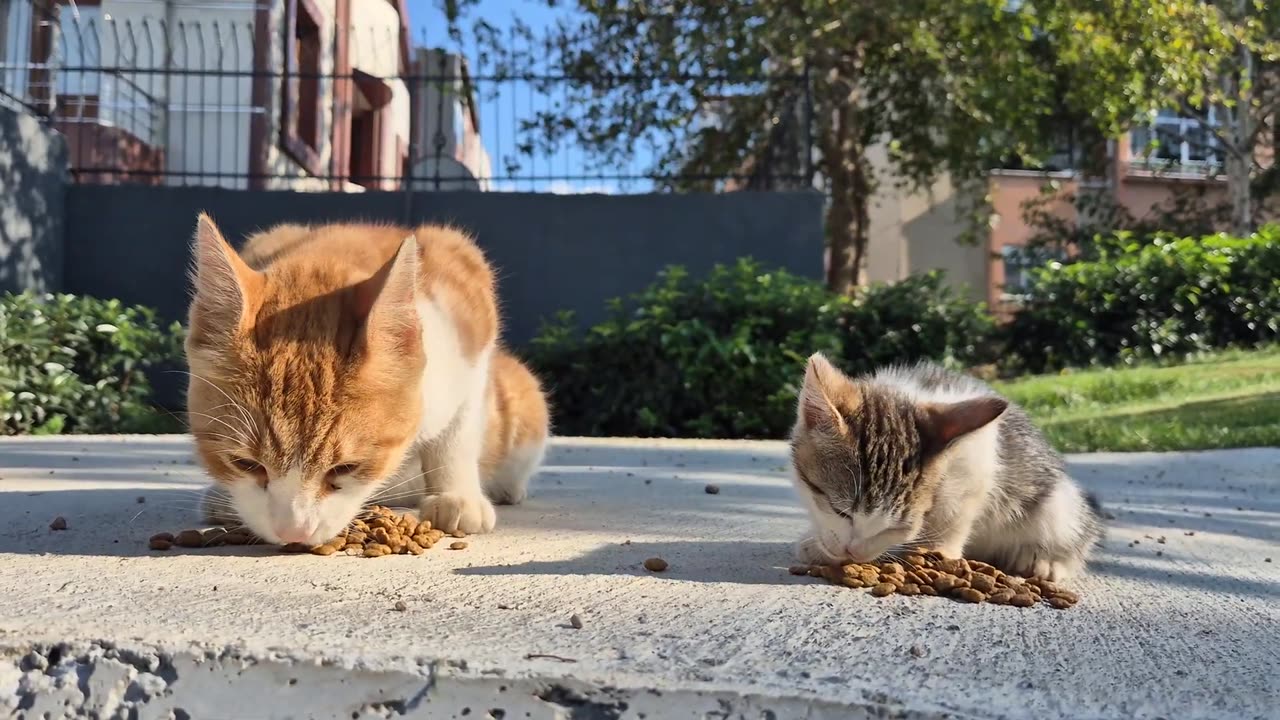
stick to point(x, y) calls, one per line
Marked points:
point(327, 360)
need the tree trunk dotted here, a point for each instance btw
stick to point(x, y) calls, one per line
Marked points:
point(1242, 134)
point(847, 220)
point(1240, 193)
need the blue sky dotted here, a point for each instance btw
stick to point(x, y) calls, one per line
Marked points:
point(503, 106)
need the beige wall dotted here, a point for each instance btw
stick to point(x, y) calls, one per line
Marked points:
point(914, 232)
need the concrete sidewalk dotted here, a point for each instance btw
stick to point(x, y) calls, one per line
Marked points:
point(1180, 617)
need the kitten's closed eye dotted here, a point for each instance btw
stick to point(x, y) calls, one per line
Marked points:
point(247, 465)
point(843, 512)
point(338, 472)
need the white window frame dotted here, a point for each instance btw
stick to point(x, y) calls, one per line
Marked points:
point(1180, 127)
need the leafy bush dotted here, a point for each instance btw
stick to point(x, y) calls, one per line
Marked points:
point(1169, 298)
point(724, 356)
point(73, 364)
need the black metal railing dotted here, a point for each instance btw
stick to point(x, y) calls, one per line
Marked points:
point(233, 101)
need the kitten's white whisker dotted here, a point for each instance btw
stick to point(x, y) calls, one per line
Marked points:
point(248, 419)
point(240, 432)
point(406, 481)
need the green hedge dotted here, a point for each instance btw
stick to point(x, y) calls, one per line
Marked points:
point(722, 357)
point(1164, 299)
point(73, 364)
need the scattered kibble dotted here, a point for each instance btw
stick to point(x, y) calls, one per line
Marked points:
point(377, 533)
point(713, 489)
point(929, 573)
point(459, 545)
point(575, 622)
point(59, 523)
point(400, 606)
point(655, 564)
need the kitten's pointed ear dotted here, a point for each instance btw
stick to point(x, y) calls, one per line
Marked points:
point(223, 282)
point(942, 425)
point(826, 397)
point(386, 301)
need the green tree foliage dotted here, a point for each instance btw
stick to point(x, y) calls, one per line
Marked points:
point(942, 87)
point(1131, 58)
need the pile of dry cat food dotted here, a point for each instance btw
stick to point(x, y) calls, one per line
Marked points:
point(380, 531)
point(929, 573)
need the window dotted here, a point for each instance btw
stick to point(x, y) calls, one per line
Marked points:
point(1178, 142)
point(365, 155)
point(301, 132)
point(1019, 263)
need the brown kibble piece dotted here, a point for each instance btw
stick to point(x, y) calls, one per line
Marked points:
point(798, 569)
point(655, 564)
point(458, 534)
point(325, 549)
point(968, 595)
point(712, 489)
point(575, 622)
point(163, 536)
point(982, 583)
point(373, 550)
point(400, 606)
point(414, 548)
point(914, 559)
point(459, 545)
point(1046, 587)
point(891, 569)
point(159, 543)
point(1059, 603)
point(1022, 600)
point(189, 539)
point(884, 589)
point(59, 523)
point(1000, 597)
point(1066, 595)
point(928, 590)
point(909, 589)
point(295, 548)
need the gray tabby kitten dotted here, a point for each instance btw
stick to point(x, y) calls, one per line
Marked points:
point(925, 457)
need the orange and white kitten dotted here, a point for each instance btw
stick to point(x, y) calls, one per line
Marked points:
point(335, 364)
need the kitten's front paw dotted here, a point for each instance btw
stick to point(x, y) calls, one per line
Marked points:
point(458, 511)
point(1029, 563)
point(216, 507)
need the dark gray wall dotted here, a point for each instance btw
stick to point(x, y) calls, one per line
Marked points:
point(552, 252)
point(33, 180)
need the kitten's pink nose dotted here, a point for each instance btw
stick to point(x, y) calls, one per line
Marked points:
point(858, 552)
point(294, 533)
